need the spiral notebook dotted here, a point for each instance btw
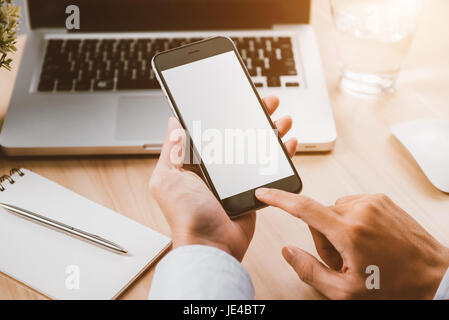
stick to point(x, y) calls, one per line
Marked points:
point(59, 265)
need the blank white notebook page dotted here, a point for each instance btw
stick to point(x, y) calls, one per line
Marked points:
point(59, 265)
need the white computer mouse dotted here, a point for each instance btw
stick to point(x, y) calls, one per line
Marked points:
point(428, 142)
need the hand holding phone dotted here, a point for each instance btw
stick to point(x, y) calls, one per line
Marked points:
point(193, 212)
point(207, 86)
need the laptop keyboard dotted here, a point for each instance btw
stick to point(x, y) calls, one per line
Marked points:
point(125, 64)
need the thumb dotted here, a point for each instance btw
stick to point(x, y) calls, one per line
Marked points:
point(173, 150)
point(313, 272)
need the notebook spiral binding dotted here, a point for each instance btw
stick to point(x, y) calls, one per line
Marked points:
point(8, 177)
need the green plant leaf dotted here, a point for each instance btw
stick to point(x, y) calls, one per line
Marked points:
point(9, 25)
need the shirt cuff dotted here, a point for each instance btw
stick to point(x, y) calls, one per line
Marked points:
point(198, 272)
point(443, 290)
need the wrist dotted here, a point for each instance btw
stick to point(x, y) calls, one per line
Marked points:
point(180, 240)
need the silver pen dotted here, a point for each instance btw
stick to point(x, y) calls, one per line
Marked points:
point(64, 228)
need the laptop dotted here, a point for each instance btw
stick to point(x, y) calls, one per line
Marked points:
point(93, 91)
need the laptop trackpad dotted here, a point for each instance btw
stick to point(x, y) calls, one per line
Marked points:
point(142, 118)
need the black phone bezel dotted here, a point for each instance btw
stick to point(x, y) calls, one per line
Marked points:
point(244, 202)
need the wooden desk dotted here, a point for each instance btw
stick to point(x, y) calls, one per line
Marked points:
point(367, 159)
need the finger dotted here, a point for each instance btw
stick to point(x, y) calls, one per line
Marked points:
point(347, 199)
point(291, 146)
point(271, 103)
point(310, 211)
point(173, 150)
point(326, 250)
point(283, 125)
point(314, 273)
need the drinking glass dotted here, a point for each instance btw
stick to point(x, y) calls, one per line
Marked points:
point(373, 38)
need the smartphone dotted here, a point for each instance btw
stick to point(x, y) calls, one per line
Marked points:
point(211, 93)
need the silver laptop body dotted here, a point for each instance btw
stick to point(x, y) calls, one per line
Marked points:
point(114, 117)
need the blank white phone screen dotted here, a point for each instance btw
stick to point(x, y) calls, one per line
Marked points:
point(227, 124)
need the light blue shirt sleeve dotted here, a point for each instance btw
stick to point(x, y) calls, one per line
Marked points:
point(199, 272)
point(443, 290)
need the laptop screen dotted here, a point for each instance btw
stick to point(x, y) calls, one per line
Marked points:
point(149, 15)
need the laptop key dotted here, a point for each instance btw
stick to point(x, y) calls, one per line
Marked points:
point(106, 45)
point(137, 84)
point(287, 53)
point(64, 85)
point(71, 45)
point(103, 85)
point(147, 84)
point(126, 83)
point(56, 68)
point(118, 64)
point(46, 86)
point(87, 75)
point(253, 72)
point(83, 85)
point(274, 82)
point(283, 67)
point(55, 43)
point(106, 75)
